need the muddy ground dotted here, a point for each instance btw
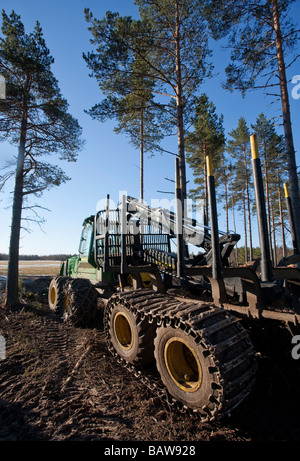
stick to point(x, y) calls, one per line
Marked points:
point(60, 383)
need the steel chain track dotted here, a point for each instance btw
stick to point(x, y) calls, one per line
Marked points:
point(233, 376)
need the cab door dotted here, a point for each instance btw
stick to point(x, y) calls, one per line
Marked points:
point(86, 264)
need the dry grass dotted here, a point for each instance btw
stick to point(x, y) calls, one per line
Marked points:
point(34, 268)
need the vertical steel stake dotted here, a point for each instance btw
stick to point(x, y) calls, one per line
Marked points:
point(217, 281)
point(216, 260)
point(291, 219)
point(266, 262)
point(106, 236)
point(123, 235)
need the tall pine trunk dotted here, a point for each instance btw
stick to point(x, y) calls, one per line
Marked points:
point(206, 211)
point(12, 295)
point(142, 156)
point(179, 104)
point(287, 126)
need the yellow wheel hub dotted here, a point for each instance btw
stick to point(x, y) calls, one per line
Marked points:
point(183, 365)
point(123, 331)
point(53, 295)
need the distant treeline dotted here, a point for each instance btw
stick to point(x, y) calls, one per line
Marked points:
point(58, 257)
point(238, 254)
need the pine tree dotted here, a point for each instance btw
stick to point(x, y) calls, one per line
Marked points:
point(140, 122)
point(224, 180)
point(171, 38)
point(129, 98)
point(33, 117)
point(261, 36)
point(239, 149)
point(274, 168)
point(179, 58)
point(207, 138)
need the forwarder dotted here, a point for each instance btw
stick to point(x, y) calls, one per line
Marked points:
point(174, 320)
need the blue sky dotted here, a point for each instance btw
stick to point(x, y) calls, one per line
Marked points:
point(108, 164)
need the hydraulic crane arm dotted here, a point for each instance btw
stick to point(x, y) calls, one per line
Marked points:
point(165, 220)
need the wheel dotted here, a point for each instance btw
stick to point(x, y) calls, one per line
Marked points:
point(57, 295)
point(80, 303)
point(131, 338)
point(183, 367)
point(210, 371)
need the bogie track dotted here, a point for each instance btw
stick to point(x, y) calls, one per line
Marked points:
point(204, 357)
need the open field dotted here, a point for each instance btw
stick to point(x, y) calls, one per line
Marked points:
point(33, 268)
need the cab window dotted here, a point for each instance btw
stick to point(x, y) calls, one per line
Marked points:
point(85, 241)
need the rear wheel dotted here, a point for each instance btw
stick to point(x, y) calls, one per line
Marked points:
point(57, 294)
point(207, 363)
point(183, 367)
point(131, 338)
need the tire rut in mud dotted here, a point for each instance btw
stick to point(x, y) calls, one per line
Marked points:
point(39, 395)
point(59, 382)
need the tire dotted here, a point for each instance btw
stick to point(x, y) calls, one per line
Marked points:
point(211, 372)
point(81, 302)
point(57, 294)
point(183, 368)
point(132, 339)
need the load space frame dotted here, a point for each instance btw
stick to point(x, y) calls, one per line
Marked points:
point(136, 239)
